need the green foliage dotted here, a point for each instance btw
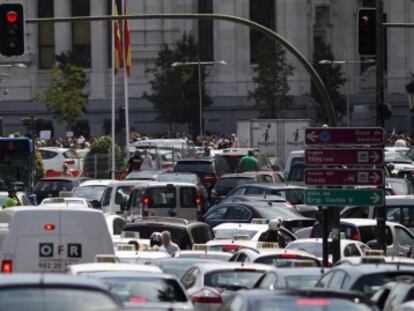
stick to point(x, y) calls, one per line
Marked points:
point(333, 79)
point(270, 76)
point(175, 89)
point(65, 97)
point(100, 151)
point(38, 166)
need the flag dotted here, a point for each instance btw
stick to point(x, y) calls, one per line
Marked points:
point(118, 42)
point(127, 42)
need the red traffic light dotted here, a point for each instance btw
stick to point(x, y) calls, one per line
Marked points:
point(11, 17)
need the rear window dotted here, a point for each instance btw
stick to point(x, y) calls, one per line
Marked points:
point(146, 290)
point(282, 261)
point(64, 299)
point(194, 166)
point(161, 197)
point(188, 196)
point(53, 185)
point(232, 279)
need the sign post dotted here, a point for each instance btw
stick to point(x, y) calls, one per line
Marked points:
point(343, 157)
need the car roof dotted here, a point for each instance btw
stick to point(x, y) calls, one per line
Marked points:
point(126, 182)
point(184, 252)
point(363, 222)
point(278, 186)
point(235, 225)
point(164, 184)
point(358, 270)
point(58, 149)
point(170, 221)
point(319, 240)
point(111, 267)
point(391, 200)
point(224, 266)
point(302, 271)
point(206, 160)
point(132, 274)
point(97, 182)
point(27, 279)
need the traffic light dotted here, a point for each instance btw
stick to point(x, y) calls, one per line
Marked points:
point(11, 29)
point(367, 31)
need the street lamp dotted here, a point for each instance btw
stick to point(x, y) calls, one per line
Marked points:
point(200, 94)
point(346, 63)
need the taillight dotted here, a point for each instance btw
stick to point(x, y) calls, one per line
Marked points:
point(198, 201)
point(206, 295)
point(313, 302)
point(145, 203)
point(137, 300)
point(49, 227)
point(356, 236)
point(288, 256)
point(70, 162)
point(230, 248)
point(198, 207)
point(6, 266)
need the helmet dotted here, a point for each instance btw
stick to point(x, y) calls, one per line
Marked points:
point(155, 239)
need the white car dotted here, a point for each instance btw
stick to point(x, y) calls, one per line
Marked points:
point(204, 282)
point(314, 246)
point(140, 257)
point(89, 268)
point(117, 194)
point(92, 190)
point(54, 158)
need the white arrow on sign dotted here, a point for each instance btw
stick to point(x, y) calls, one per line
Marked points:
point(375, 177)
point(312, 136)
point(375, 198)
point(374, 156)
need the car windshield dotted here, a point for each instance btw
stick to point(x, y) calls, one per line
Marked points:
point(161, 197)
point(91, 193)
point(232, 279)
point(136, 290)
point(230, 233)
point(188, 178)
point(62, 299)
point(308, 304)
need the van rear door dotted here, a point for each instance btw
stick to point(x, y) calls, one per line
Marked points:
point(47, 240)
point(190, 203)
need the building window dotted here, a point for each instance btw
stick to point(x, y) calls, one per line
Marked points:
point(81, 33)
point(46, 35)
point(205, 31)
point(262, 12)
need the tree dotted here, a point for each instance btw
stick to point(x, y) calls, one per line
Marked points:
point(65, 97)
point(175, 89)
point(270, 76)
point(333, 79)
point(98, 160)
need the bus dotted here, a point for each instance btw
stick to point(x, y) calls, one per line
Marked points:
point(17, 163)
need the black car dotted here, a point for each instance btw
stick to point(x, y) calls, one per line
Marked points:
point(184, 233)
point(295, 300)
point(294, 194)
point(244, 212)
point(51, 186)
point(204, 168)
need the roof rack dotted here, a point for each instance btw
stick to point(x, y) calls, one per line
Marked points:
point(164, 219)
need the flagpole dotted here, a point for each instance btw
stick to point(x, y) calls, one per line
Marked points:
point(126, 94)
point(113, 98)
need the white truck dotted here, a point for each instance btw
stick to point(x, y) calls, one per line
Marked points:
point(274, 137)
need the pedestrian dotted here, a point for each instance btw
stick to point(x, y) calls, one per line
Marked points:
point(146, 161)
point(135, 162)
point(168, 245)
point(249, 163)
point(12, 199)
point(66, 171)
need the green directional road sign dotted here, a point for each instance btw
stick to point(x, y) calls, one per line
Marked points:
point(344, 197)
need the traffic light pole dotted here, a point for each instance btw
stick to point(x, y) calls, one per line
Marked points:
point(380, 104)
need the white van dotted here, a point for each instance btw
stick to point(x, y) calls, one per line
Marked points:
point(117, 194)
point(165, 200)
point(48, 238)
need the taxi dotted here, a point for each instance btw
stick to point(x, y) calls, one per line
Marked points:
point(127, 253)
point(228, 245)
point(66, 201)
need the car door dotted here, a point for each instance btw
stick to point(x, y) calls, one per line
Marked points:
point(403, 240)
point(238, 213)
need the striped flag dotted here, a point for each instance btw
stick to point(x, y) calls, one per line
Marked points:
point(127, 42)
point(118, 42)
